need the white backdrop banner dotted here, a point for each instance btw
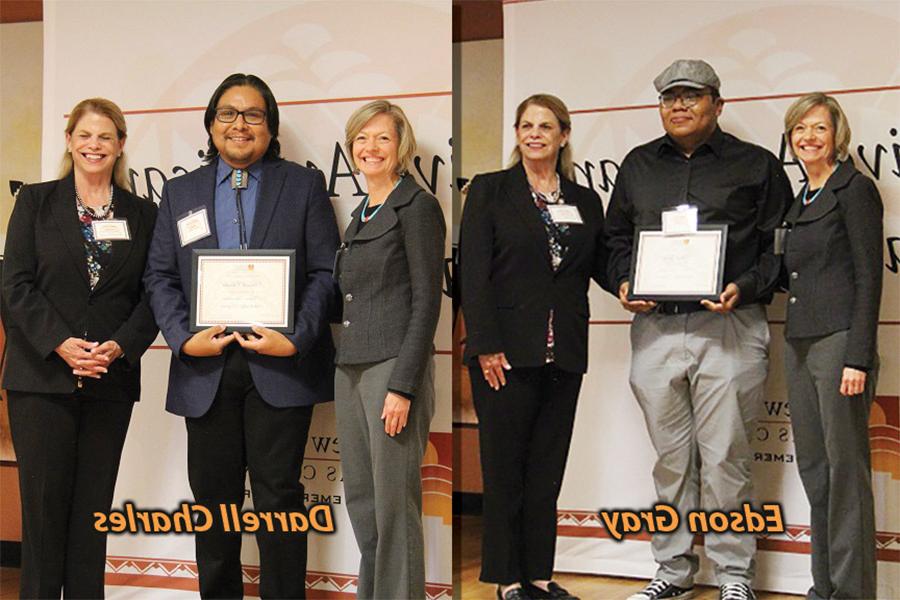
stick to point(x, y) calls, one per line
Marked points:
point(161, 61)
point(601, 58)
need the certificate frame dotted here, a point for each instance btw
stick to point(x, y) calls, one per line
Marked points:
point(646, 281)
point(276, 281)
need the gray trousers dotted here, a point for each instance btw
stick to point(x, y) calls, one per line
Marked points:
point(699, 379)
point(382, 479)
point(831, 435)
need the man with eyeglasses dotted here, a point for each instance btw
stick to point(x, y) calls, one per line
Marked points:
point(698, 369)
point(248, 398)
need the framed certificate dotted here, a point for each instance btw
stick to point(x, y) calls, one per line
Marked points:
point(679, 267)
point(240, 288)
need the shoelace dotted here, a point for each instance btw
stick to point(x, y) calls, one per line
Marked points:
point(735, 591)
point(654, 588)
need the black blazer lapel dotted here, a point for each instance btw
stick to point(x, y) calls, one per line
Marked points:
point(383, 222)
point(521, 204)
point(353, 226)
point(123, 208)
point(267, 201)
point(794, 211)
point(827, 200)
point(824, 204)
point(65, 214)
point(575, 240)
point(387, 217)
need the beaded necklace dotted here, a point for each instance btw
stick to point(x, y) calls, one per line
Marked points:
point(362, 215)
point(99, 212)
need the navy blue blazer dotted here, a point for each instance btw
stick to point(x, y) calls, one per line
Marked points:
point(292, 212)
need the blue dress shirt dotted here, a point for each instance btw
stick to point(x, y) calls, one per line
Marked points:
point(227, 227)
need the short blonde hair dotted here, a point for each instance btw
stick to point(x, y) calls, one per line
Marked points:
point(106, 108)
point(564, 163)
point(406, 139)
point(803, 105)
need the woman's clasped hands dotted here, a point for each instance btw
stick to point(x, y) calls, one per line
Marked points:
point(89, 359)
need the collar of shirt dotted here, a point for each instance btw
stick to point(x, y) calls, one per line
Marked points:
point(714, 143)
point(223, 170)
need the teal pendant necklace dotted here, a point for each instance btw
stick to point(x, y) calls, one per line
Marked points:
point(362, 215)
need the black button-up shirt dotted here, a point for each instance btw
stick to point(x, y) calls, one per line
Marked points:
point(728, 180)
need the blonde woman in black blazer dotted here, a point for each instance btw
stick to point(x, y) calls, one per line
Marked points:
point(833, 266)
point(389, 269)
point(531, 240)
point(77, 323)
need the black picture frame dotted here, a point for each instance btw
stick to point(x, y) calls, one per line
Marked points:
point(251, 256)
point(685, 295)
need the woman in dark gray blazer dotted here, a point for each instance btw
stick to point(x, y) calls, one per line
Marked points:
point(833, 267)
point(389, 269)
point(78, 322)
point(531, 240)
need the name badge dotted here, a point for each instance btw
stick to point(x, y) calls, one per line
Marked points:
point(111, 230)
point(780, 238)
point(193, 227)
point(680, 220)
point(565, 214)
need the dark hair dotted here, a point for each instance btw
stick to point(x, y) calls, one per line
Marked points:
point(237, 79)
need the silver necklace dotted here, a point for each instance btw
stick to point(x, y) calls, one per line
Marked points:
point(100, 212)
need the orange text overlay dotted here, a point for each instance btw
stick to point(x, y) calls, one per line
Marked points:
point(189, 518)
point(663, 518)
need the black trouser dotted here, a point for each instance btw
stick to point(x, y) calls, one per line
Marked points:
point(524, 431)
point(68, 450)
point(240, 432)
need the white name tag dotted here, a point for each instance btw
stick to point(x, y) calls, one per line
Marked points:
point(565, 213)
point(111, 230)
point(682, 219)
point(193, 227)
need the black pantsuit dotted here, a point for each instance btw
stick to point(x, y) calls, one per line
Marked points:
point(68, 449)
point(509, 288)
point(240, 430)
point(524, 428)
point(68, 434)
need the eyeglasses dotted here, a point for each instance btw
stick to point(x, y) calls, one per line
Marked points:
point(688, 99)
point(252, 116)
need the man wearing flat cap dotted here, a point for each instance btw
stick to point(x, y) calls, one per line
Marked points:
point(699, 369)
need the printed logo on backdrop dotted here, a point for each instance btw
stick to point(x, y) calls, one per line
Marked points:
point(437, 478)
point(773, 440)
point(884, 436)
point(322, 470)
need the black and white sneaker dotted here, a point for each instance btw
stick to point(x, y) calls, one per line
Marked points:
point(736, 591)
point(660, 589)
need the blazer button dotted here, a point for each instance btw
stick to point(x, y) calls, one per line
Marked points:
point(793, 300)
point(349, 297)
point(346, 324)
point(794, 275)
